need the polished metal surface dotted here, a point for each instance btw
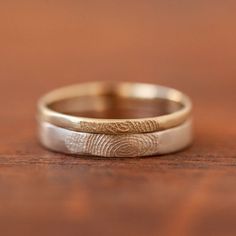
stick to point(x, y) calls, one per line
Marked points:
point(48, 108)
point(125, 145)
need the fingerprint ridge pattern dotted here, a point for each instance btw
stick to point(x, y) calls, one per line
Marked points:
point(112, 145)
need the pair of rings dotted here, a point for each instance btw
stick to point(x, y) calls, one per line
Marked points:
point(115, 120)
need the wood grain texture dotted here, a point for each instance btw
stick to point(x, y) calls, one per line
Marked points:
point(189, 46)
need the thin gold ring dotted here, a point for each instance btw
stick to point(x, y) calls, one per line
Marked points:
point(48, 107)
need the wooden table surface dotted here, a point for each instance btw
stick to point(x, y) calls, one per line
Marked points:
point(189, 45)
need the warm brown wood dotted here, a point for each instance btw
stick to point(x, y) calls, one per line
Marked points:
point(189, 45)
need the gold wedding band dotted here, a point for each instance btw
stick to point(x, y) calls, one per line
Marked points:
point(63, 107)
point(115, 120)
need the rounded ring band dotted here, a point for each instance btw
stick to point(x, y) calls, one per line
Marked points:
point(126, 145)
point(115, 126)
